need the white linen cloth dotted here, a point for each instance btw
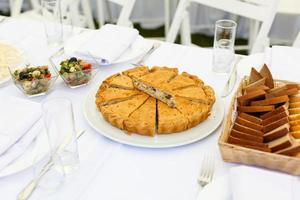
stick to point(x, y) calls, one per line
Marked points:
point(18, 149)
point(17, 116)
point(106, 44)
point(285, 63)
point(249, 183)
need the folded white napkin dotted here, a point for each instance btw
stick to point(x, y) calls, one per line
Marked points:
point(284, 63)
point(21, 145)
point(17, 117)
point(106, 44)
point(249, 183)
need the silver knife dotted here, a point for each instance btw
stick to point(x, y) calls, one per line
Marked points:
point(31, 186)
point(232, 79)
point(155, 46)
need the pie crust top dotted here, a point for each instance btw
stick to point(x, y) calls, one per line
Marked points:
point(124, 105)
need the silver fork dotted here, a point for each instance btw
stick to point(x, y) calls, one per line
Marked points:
point(207, 170)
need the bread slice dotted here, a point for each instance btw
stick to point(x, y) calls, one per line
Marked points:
point(194, 112)
point(265, 72)
point(239, 141)
point(251, 95)
point(154, 84)
point(275, 124)
point(260, 87)
point(295, 128)
point(249, 124)
point(170, 120)
point(276, 133)
point(295, 123)
point(143, 119)
point(185, 80)
point(254, 75)
point(255, 109)
point(271, 101)
point(241, 135)
point(294, 117)
point(280, 143)
point(275, 117)
point(118, 112)
point(290, 151)
point(276, 111)
point(294, 111)
point(247, 130)
point(288, 92)
point(295, 98)
point(250, 118)
point(295, 134)
point(295, 105)
point(256, 84)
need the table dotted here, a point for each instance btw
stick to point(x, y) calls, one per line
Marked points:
point(110, 170)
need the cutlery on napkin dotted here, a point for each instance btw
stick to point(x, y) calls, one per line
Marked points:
point(17, 117)
point(106, 44)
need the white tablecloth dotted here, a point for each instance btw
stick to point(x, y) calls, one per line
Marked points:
point(127, 172)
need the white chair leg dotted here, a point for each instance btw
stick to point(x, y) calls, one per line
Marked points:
point(253, 30)
point(126, 12)
point(177, 20)
point(101, 14)
point(87, 11)
point(15, 7)
point(167, 16)
point(297, 41)
point(186, 30)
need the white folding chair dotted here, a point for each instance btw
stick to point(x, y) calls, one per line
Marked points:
point(297, 41)
point(126, 11)
point(71, 7)
point(262, 11)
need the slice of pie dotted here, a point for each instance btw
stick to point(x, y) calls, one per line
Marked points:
point(143, 119)
point(136, 72)
point(120, 81)
point(118, 112)
point(114, 95)
point(170, 120)
point(195, 112)
point(194, 93)
point(154, 84)
point(185, 80)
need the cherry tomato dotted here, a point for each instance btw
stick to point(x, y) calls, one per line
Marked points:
point(48, 75)
point(87, 66)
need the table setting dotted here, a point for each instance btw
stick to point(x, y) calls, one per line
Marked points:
point(109, 114)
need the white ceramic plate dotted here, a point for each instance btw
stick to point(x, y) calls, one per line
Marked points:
point(37, 150)
point(95, 119)
point(136, 50)
point(245, 65)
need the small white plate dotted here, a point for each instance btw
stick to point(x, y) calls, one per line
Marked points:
point(245, 65)
point(96, 120)
point(36, 151)
point(136, 50)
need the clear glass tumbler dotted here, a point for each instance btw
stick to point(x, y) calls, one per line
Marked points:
point(223, 51)
point(60, 127)
point(51, 11)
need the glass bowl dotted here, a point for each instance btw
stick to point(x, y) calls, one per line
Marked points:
point(33, 86)
point(74, 79)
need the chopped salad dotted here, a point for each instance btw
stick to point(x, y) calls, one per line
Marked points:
point(75, 71)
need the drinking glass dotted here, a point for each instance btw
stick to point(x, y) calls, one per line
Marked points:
point(223, 52)
point(51, 11)
point(59, 123)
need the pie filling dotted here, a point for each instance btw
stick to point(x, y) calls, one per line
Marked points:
point(161, 95)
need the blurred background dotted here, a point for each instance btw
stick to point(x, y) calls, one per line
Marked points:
point(150, 17)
